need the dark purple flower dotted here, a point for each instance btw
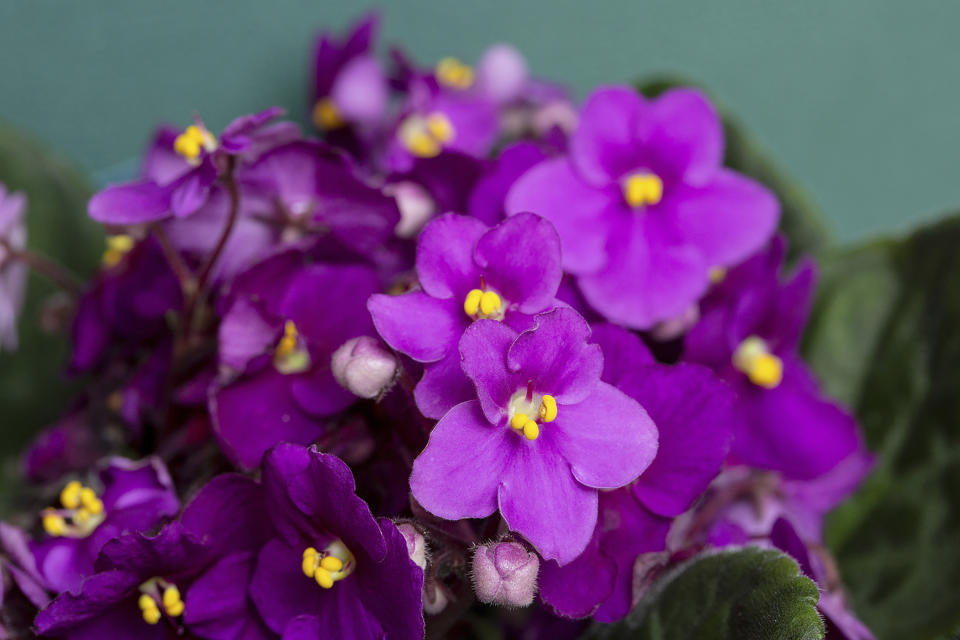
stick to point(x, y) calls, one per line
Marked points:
point(18, 563)
point(487, 197)
point(693, 412)
point(467, 272)
point(349, 87)
point(67, 446)
point(13, 272)
point(542, 436)
point(171, 190)
point(129, 496)
point(136, 592)
point(285, 318)
point(318, 564)
point(643, 205)
point(750, 327)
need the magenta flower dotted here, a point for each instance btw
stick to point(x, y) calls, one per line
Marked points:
point(177, 187)
point(643, 205)
point(749, 332)
point(543, 434)
point(467, 272)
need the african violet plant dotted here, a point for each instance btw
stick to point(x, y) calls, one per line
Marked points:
point(469, 360)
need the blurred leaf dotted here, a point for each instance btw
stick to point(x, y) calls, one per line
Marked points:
point(33, 390)
point(745, 594)
point(801, 219)
point(885, 338)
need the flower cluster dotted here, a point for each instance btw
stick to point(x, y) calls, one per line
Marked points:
point(464, 341)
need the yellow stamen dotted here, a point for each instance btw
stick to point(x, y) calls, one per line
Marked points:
point(440, 127)
point(70, 495)
point(422, 145)
point(717, 274)
point(753, 358)
point(288, 343)
point(471, 304)
point(81, 516)
point(331, 564)
point(518, 420)
point(323, 577)
point(91, 503)
point(489, 303)
point(172, 602)
point(548, 408)
point(326, 115)
point(454, 73)
point(309, 561)
point(642, 189)
point(530, 430)
point(149, 609)
point(54, 524)
point(192, 141)
point(117, 247)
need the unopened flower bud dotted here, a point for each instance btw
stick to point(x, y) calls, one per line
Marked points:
point(416, 206)
point(364, 366)
point(435, 597)
point(505, 573)
point(416, 544)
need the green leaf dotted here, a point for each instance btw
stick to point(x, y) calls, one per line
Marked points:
point(741, 594)
point(33, 390)
point(885, 338)
point(801, 219)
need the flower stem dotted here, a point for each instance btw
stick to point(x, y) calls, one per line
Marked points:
point(41, 264)
point(180, 268)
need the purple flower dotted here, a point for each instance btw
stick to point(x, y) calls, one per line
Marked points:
point(693, 412)
point(67, 446)
point(13, 272)
point(749, 331)
point(179, 188)
point(283, 321)
point(129, 496)
point(487, 197)
point(320, 564)
point(467, 272)
point(643, 205)
point(349, 85)
point(543, 434)
point(136, 593)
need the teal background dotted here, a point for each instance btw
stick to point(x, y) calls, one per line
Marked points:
point(857, 98)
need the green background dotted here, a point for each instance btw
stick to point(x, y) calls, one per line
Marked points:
point(857, 98)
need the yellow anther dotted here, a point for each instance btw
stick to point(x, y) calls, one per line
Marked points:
point(753, 358)
point(288, 343)
point(309, 561)
point(323, 577)
point(193, 139)
point(80, 516)
point(454, 73)
point(471, 304)
point(548, 408)
point(331, 564)
point(70, 495)
point(422, 144)
point(518, 420)
point(54, 524)
point(530, 430)
point(489, 303)
point(91, 503)
point(172, 603)
point(642, 189)
point(440, 127)
point(326, 115)
point(717, 274)
point(149, 609)
point(117, 247)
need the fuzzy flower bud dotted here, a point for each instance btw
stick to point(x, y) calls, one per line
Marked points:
point(505, 573)
point(416, 544)
point(364, 366)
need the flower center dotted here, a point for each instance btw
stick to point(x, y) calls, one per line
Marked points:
point(326, 115)
point(155, 594)
point(453, 73)
point(291, 354)
point(192, 141)
point(82, 512)
point(117, 247)
point(424, 137)
point(527, 410)
point(753, 358)
point(331, 565)
point(483, 303)
point(642, 188)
